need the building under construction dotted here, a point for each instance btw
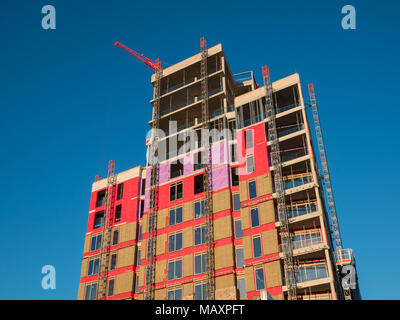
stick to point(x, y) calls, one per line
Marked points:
point(231, 203)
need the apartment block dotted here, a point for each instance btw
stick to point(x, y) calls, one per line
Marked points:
point(248, 245)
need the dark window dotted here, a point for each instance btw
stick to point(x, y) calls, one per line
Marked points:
point(198, 161)
point(98, 219)
point(175, 242)
point(249, 138)
point(176, 169)
point(115, 237)
point(96, 266)
point(141, 208)
point(199, 209)
point(255, 219)
point(260, 283)
point(138, 257)
point(118, 213)
point(200, 263)
point(200, 291)
point(250, 163)
point(175, 294)
point(113, 263)
point(90, 268)
point(238, 229)
point(198, 184)
point(96, 243)
point(233, 152)
point(91, 291)
point(239, 258)
point(242, 288)
point(252, 190)
point(257, 247)
point(235, 176)
point(120, 191)
point(176, 191)
point(137, 283)
point(175, 216)
point(93, 243)
point(101, 198)
point(175, 269)
point(266, 131)
point(140, 233)
point(93, 267)
point(143, 186)
point(200, 235)
point(236, 202)
point(111, 287)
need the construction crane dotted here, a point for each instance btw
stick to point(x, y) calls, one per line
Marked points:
point(290, 270)
point(344, 258)
point(155, 65)
point(107, 229)
point(325, 171)
point(154, 173)
point(207, 176)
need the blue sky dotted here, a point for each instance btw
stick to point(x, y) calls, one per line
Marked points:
point(70, 101)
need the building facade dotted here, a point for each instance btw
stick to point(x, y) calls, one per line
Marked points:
point(248, 246)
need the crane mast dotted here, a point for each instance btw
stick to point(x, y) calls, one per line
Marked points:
point(325, 170)
point(290, 272)
point(207, 177)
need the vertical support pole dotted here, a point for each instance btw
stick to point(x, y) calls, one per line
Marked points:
point(154, 181)
point(107, 230)
point(207, 177)
point(290, 272)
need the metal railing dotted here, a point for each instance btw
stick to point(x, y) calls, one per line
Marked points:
point(304, 241)
point(289, 131)
point(317, 296)
point(311, 272)
point(301, 210)
point(344, 256)
point(296, 181)
point(259, 117)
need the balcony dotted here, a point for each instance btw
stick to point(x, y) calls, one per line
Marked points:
point(307, 241)
point(296, 180)
point(317, 296)
point(293, 128)
point(311, 272)
point(259, 117)
point(301, 210)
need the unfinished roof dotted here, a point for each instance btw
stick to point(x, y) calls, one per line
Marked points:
point(189, 61)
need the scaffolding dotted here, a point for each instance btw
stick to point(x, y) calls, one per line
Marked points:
point(279, 188)
point(207, 177)
point(107, 230)
point(154, 181)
